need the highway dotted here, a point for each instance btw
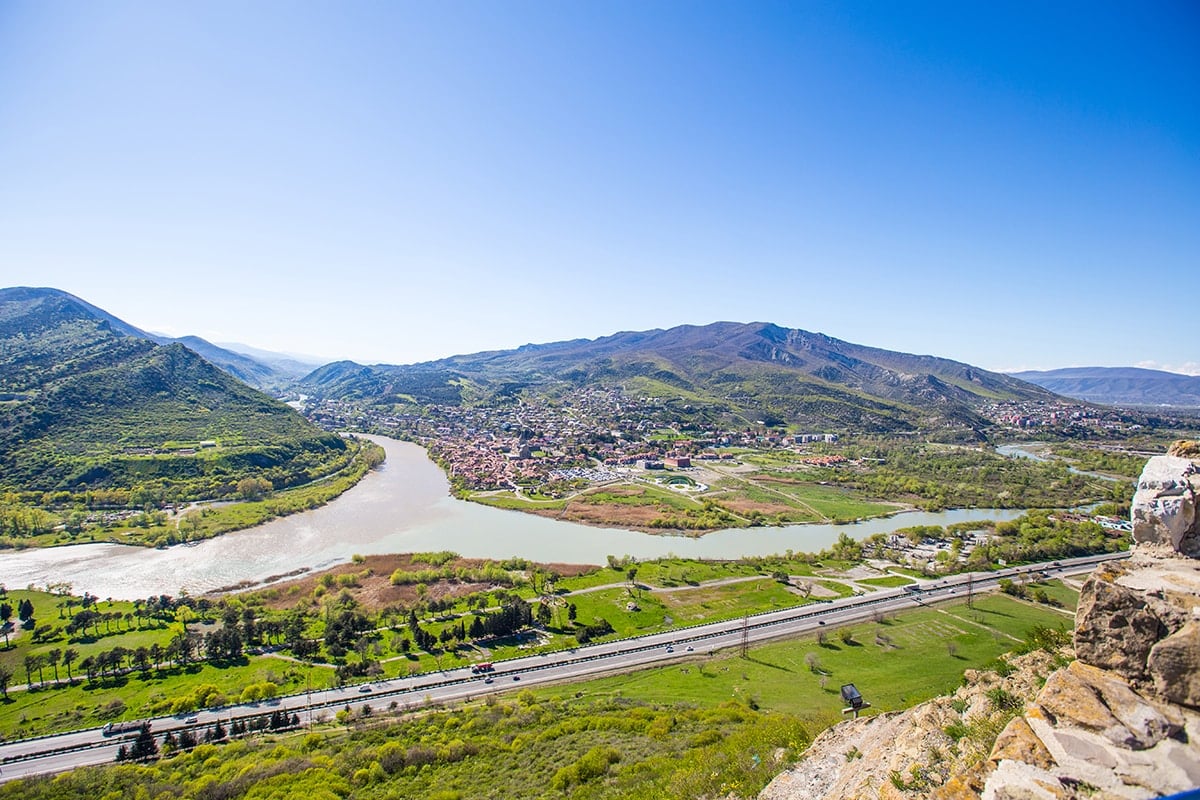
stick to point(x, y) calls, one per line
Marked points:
point(66, 751)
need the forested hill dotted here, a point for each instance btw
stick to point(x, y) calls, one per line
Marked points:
point(1120, 386)
point(87, 401)
point(751, 371)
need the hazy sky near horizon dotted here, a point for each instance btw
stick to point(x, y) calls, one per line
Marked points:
point(1014, 185)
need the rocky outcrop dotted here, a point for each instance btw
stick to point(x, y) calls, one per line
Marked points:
point(920, 750)
point(1164, 507)
point(1120, 721)
point(1123, 720)
point(1120, 629)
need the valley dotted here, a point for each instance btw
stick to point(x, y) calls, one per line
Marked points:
point(619, 503)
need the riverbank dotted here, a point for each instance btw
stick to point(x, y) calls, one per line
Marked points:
point(204, 520)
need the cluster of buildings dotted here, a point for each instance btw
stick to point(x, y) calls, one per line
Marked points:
point(1060, 417)
point(539, 442)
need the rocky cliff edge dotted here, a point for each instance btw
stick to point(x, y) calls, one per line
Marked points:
point(1121, 720)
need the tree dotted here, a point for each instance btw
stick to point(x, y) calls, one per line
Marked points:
point(216, 733)
point(5, 676)
point(141, 659)
point(144, 746)
point(68, 658)
point(253, 488)
point(53, 658)
point(189, 525)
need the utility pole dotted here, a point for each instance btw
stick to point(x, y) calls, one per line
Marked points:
point(745, 635)
point(970, 590)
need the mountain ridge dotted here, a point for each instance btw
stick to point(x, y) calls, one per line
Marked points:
point(246, 368)
point(1134, 386)
point(750, 370)
point(87, 396)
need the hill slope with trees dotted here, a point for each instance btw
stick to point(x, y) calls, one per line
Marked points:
point(87, 402)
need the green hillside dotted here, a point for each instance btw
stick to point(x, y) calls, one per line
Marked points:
point(85, 404)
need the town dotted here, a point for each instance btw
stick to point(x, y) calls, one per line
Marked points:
point(594, 436)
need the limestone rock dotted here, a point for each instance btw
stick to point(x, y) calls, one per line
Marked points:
point(1085, 697)
point(1164, 507)
point(1018, 742)
point(1114, 628)
point(1174, 664)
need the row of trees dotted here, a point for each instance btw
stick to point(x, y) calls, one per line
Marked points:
point(145, 747)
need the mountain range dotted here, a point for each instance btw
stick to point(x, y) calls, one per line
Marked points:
point(1120, 386)
point(65, 362)
point(736, 371)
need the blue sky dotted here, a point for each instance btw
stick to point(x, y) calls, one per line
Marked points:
point(1014, 185)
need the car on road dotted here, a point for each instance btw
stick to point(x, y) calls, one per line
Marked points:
point(365, 687)
point(670, 649)
point(516, 677)
point(488, 679)
point(690, 648)
point(192, 720)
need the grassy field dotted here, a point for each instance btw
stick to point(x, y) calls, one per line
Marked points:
point(896, 663)
point(665, 594)
point(888, 581)
point(1057, 590)
point(135, 695)
point(512, 502)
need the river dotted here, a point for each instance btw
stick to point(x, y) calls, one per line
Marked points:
point(1040, 451)
point(402, 507)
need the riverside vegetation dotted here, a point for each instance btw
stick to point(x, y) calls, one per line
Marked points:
point(163, 511)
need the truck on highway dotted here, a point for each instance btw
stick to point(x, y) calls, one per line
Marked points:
point(115, 728)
